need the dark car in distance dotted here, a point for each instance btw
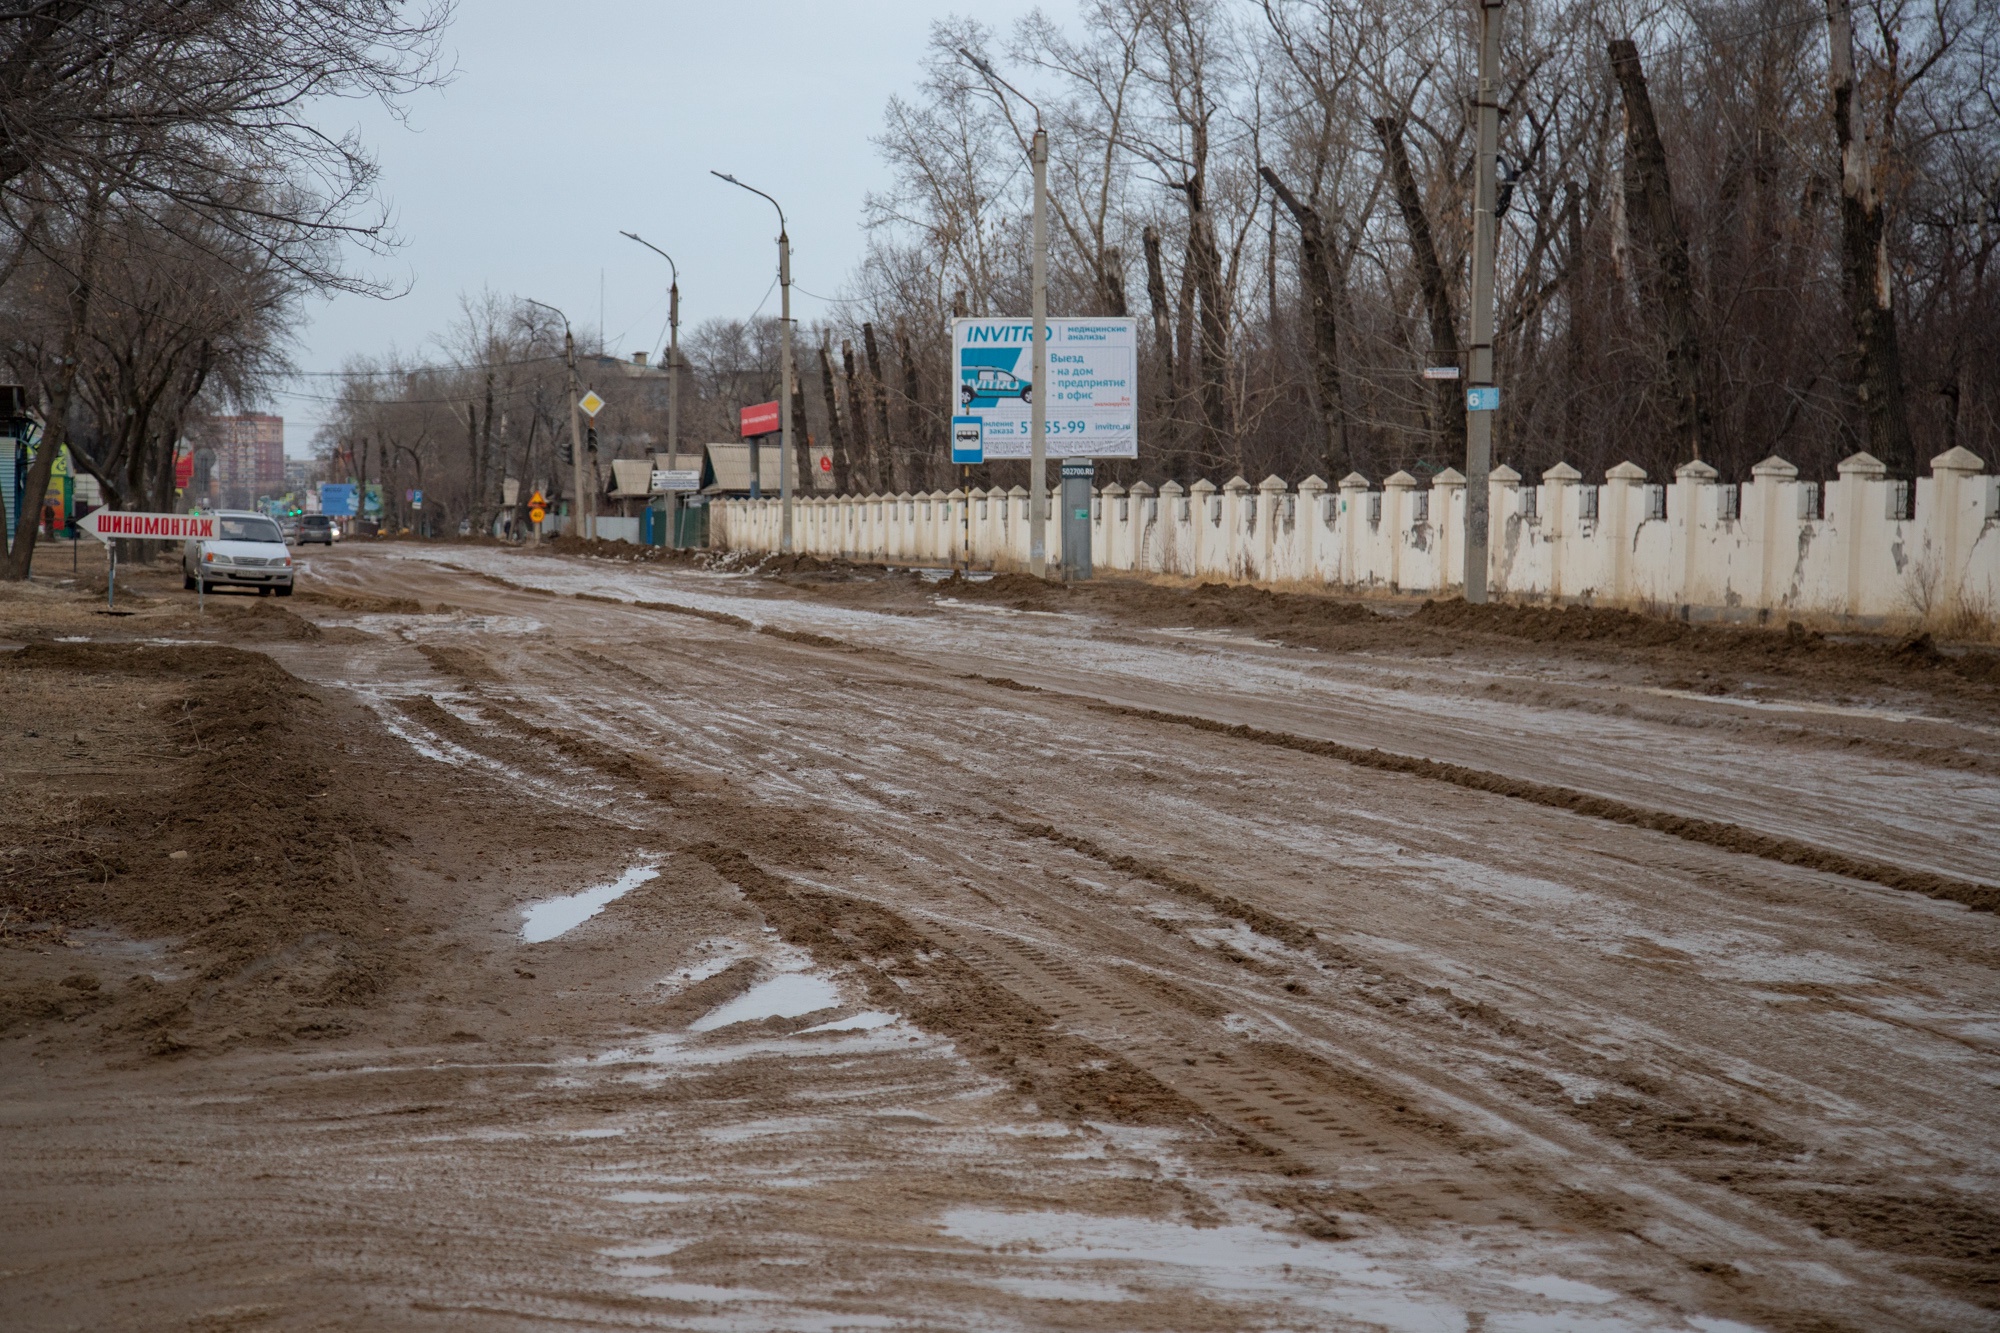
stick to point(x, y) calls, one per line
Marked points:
point(315, 528)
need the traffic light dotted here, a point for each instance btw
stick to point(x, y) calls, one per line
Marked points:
point(590, 438)
point(567, 452)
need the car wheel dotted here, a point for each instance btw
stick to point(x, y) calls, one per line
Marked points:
point(187, 581)
point(1026, 394)
point(285, 590)
point(263, 592)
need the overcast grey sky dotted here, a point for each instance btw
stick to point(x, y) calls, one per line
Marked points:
point(569, 123)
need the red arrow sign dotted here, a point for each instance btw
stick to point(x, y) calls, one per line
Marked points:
point(105, 524)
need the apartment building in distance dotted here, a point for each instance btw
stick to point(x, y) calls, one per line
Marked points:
point(236, 460)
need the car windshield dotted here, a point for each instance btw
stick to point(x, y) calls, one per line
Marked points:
point(247, 530)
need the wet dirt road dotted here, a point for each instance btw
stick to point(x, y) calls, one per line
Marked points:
point(976, 987)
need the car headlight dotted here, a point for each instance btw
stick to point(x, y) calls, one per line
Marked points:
point(210, 557)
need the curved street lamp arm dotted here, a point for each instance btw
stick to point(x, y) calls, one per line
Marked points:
point(557, 313)
point(723, 175)
point(993, 78)
point(635, 236)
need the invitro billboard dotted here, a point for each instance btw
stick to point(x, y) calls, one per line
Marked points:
point(1091, 399)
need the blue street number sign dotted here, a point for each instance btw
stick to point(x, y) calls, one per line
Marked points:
point(1485, 399)
point(968, 440)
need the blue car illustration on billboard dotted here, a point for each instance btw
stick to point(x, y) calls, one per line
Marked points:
point(986, 377)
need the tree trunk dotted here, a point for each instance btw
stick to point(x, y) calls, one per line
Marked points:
point(836, 436)
point(1650, 215)
point(912, 412)
point(884, 463)
point(1316, 269)
point(1212, 346)
point(1111, 282)
point(803, 476)
point(1450, 431)
point(1163, 343)
point(1875, 364)
point(863, 479)
point(55, 431)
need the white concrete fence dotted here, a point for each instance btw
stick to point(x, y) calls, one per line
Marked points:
point(1861, 548)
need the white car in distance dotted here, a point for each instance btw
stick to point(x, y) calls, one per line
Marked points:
point(247, 551)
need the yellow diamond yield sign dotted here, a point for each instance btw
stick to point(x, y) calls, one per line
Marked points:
point(590, 403)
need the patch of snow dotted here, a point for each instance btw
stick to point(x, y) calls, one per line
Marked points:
point(1563, 1289)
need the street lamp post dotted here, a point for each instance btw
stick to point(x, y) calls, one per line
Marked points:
point(1038, 315)
point(575, 420)
point(673, 382)
point(784, 365)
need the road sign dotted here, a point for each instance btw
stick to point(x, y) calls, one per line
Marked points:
point(416, 499)
point(105, 524)
point(590, 403)
point(536, 513)
point(968, 440)
point(1091, 399)
point(537, 500)
point(675, 479)
point(1485, 399)
point(1440, 372)
point(760, 419)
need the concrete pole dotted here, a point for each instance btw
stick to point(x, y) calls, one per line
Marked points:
point(575, 435)
point(1038, 309)
point(1479, 370)
point(784, 391)
point(673, 406)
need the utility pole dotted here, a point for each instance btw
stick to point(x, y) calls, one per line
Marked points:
point(673, 381)
point(1481, 395)
point(784, 367)
point(575, 419)
point(785, 388)
point(1038, 312)
point(1038, 309)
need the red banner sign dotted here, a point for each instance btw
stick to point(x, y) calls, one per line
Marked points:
point(105, 524)
point(760, 419)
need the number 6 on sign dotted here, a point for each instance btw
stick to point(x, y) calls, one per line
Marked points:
point(1486, 399)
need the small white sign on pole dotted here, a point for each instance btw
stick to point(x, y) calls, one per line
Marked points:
point(104, 524)
point(676, 479)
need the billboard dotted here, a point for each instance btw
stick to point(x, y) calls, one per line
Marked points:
point(337, 501)
point(760, 419)
point(1091, 400)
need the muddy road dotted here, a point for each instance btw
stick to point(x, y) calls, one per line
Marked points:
point(849, 950)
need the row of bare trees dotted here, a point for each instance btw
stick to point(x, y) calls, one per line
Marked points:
point(1729, 228)
point(167, 202)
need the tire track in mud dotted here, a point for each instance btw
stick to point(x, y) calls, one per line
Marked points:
point(1708, 832)
point(1724, 836)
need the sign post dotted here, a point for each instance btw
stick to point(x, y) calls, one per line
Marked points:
point(104, 524)
point(759, 420)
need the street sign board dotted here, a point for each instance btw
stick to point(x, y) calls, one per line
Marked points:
point(822, 468)
point(337, 500)
point(673, 479)
point(760, 419)
point(104, 524)
point(968, 440)
point(1091, 398)
point(536, 513)
point(1485, 399)
point(1440, 372)
point(590, 403)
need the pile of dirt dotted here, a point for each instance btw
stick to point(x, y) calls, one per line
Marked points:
point(253, 850)
point(1793, 648)
point(628, 552)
